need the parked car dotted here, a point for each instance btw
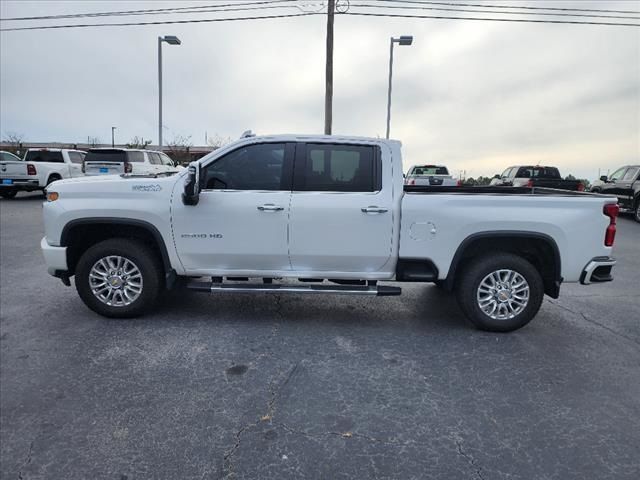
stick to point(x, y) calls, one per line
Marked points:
point(322, 209)
point(432, 175)
point(39, 169)
point(116, 161)
point(625, 184)
point(536, 176)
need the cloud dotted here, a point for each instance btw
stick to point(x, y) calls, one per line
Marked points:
point(477, 96)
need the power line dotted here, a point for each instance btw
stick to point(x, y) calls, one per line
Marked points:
point(526, 7)
point(153, 11)
point(166, 22)
point(401, 7)
point(519, 20)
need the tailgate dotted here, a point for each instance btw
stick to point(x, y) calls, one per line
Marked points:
point(103, 168)
point(13, 170)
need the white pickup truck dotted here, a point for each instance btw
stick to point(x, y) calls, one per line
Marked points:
point(39, 168)
point(327, 210)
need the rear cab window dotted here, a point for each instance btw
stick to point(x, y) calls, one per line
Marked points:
point(44, 156)
point(117, 156)
point(338, 168)
point(538, 172)
point(430, 170)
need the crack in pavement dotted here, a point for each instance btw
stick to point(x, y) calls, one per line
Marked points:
point(595, 322)
point(26, 462)
point(470, 459)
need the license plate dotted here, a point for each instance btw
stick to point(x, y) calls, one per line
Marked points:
point(7, 181)
point(104, 170)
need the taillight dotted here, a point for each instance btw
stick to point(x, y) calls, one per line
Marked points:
point(611, 210)
point(459, 183)
point(581, 187)
point(31, 169)
point(127, 167)
point(83, 170)
point(412, 182)
point(530, 184)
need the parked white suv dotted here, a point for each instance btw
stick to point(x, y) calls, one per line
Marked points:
point(39, 168)
point(116, 161)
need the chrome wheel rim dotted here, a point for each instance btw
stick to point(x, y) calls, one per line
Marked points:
point(115, 281)
point(503, 294)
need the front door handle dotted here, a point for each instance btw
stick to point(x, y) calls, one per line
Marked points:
point(374, 209)
point(270, 207)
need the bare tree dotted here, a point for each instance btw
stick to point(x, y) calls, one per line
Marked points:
point(138, 142)
point(218, 141)
point(14, 140)
point(93, 142)
point(179, 149)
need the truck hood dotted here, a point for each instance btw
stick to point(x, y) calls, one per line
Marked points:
point(114, 185)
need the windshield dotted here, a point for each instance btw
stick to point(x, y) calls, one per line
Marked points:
point(44, 156)
point(429, 170)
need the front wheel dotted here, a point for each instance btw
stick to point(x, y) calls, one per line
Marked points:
point(500, 292)
point(119, 278)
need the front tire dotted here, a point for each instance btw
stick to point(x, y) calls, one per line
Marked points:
point(119, 278)
point(500, 292)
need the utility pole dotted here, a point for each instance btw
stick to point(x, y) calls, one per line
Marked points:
point(113, 129)
point(328, 93)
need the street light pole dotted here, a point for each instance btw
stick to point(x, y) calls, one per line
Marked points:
point(160, 93)
point(403, 40)
point(113, 143)
point(171, 40)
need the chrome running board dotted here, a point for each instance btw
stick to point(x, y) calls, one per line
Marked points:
point(215, 287)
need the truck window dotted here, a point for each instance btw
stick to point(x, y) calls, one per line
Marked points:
point(506, 173)
point(617, 175)
point(166, 160)
point(254, 167)
point(44, 156)
point(340, 168)
point(631, 174)
point(430, 170)
point(76, 157)
point(137, 157)
point(538, 172)
point(154, 158)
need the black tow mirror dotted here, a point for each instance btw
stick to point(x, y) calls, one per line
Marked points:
point(603, 178)
point(191, 195)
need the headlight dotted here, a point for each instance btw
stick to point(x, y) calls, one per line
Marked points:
point(52, 196)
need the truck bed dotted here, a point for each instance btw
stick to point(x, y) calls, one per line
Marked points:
point(494, 190)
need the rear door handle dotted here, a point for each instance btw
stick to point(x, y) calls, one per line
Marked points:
point(270, 207)
point(374, 209)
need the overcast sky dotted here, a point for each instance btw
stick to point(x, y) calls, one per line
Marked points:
point(476, 96)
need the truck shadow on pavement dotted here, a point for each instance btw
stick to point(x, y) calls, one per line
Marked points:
point(420, 306)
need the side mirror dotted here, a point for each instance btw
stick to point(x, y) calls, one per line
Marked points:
point(603, 178)
point(191, 195)
point(496, 176)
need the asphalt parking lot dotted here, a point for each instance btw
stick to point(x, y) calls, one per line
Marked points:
point(236, 386)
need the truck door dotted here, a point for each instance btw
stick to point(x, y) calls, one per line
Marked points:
point(75, 164)
point(240, 223)
point(341, 209)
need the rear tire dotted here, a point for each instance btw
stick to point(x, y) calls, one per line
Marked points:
point(9, 194)
point(500, 292)
point(119, 278)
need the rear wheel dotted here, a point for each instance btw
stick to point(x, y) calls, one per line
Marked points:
point(500, 292)
point(119, 278)
point(8, 194)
